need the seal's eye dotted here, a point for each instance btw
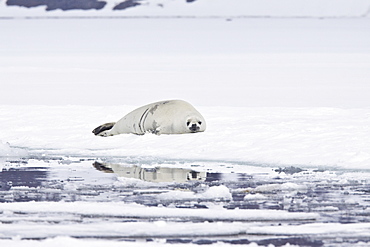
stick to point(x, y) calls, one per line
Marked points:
point(199, 122)
point(188, 122)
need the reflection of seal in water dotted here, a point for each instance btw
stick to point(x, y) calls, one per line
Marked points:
point(154, 174)
point(165, 117)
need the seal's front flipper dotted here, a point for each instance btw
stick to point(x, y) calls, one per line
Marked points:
point(103, 129)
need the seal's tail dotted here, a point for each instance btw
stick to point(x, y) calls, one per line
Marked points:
point(102, 129)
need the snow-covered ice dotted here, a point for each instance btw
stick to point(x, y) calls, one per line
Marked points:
point(308, 137)
point(208, 62)
point(206, 9)
point(285, 157)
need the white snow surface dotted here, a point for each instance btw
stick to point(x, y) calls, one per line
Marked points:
point(236, 221)
point(139, 211)
point(208, 8)
point(245, 221)
point(7, 151)
point(208, 62)
point(307, 137)
point(274, 92)
point(67, 241)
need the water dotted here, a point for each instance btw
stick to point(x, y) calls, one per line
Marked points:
point(332, 198)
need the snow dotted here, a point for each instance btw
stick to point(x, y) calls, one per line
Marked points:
point(283, 187)
point(341, 229)
point(212, 193)
point(119, 209)
point(7, 151)
point(275, 92)
point(204, 8)
point(249, 63)
point(308, 137)
point(67, 241)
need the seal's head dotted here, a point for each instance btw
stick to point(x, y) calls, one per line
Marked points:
point(195, 125)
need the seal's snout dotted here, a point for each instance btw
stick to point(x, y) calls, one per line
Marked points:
point(194, 128)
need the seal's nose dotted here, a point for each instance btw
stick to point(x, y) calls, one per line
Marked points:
point(194, 127)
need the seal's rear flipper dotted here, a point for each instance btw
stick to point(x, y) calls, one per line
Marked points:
point(102, 129)
point(102, 167)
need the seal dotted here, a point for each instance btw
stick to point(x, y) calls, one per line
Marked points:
point(164, 117)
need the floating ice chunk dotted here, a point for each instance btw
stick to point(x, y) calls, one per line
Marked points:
point(329, 229)
point(69, 241)
point(138, 211)
point(255, 197)
point(7, 151)
point(221, 192)
point(177, 195)
point(325, 209)
point(280, 187)
point(215, 192)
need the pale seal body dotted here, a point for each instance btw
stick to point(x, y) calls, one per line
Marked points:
point(164, 117)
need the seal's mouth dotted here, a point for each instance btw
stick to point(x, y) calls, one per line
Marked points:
point(194, 128)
